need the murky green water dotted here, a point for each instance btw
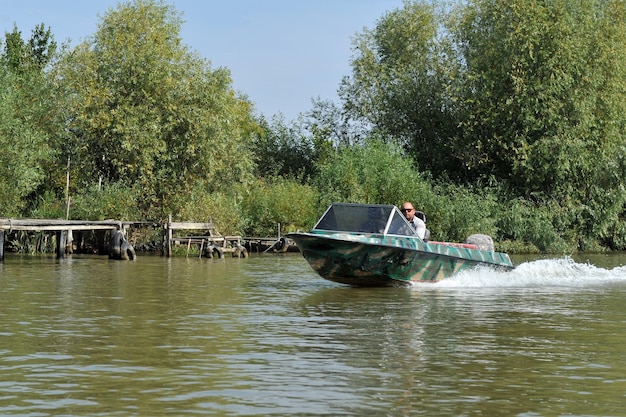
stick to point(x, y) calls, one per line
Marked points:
point(265, 336)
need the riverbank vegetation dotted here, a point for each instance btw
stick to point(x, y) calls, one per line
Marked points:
point(504, 117)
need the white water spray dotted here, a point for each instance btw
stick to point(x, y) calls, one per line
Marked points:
point(561, 272)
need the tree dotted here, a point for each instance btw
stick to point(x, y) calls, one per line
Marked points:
point(144, 110)
point(25, 106)
point(33, 55)
point(23, 148)
point(543, 91)
point(329, 125)
point(400, 84)
point(528, 92)
point(283, 150)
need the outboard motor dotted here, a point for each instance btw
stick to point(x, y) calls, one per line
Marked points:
point(482, 242)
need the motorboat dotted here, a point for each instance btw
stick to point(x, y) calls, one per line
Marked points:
point(373, 245)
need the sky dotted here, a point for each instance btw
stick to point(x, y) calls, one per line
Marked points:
point(282, 54)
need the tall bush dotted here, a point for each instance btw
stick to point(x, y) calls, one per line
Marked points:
point(279, 201)
point(372, 172)
point(223, 208)
point(456, 212)
point(542, 226)
point(114, 201)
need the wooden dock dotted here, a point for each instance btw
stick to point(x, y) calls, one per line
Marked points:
point(203, 234)
point(212, 244)
point(217, 244)
point(62, 228)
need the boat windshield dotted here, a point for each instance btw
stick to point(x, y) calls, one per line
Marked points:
point(364, 218)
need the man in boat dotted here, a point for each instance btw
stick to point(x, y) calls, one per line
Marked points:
point(417, 220)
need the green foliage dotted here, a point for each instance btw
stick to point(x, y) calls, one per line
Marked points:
point(374, 172)
point(535, 224)
point(328, 125)
point(114, 201)
point(403, 75)
point(529, 94)
point(600, 217)
point(25, 105)
point(524, 95)
point(456, 212)
point(49, 206)
point(34, 55)
point(223, 208)
point(542, 91)
point(23, 147)
point(144, 110)
point(282, 150)
point(32, 242)
point(287, 202)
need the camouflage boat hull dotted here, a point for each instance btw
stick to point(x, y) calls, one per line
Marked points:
point(391, 261)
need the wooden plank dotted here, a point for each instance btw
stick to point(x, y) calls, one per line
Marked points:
point(58, 225)
point(196, 239)
point(190, 226)
point(55, 228)
point(63, 222)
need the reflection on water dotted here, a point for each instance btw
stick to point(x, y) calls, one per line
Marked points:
point(266, 336)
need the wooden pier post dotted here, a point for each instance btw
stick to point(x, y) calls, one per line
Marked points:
point(61, 238)
point(167, 245)
point(1, 245)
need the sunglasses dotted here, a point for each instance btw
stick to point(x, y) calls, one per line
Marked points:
point(407, 209)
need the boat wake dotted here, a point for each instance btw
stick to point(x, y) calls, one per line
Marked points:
point(562, 272)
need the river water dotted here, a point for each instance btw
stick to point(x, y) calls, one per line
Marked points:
point(260, 336)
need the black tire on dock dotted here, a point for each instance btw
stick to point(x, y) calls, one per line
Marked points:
point(119, 248)
point(219, 252)
point(128, 252)
point(240, 251)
